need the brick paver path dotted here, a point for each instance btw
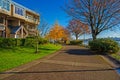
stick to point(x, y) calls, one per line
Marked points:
point(71, 63)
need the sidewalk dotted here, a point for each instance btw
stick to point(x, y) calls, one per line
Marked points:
point(70, 63)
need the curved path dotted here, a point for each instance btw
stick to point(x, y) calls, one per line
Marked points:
point(70, 63)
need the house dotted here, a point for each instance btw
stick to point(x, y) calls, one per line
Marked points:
point(17, 21)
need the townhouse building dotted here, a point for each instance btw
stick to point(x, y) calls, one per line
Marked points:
point(17, 21)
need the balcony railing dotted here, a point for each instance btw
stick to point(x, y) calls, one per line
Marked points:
point(31, 19)
point(32, 30)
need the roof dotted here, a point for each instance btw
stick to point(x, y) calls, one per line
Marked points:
point(14, 29)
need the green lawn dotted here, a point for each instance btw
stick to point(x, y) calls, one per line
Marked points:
point(10, 58)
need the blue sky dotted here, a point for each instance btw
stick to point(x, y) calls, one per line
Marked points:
point(51, 11)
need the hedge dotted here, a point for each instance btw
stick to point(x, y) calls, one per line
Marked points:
point(76, 42)
point(104, 45)
point(12, 42)
point(7, 42)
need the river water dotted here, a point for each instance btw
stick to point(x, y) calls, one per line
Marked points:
point(86, 42)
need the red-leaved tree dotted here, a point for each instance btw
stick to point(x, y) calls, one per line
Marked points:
point(77, 28)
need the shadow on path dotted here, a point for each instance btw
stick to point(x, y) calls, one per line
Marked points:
point(81, 52)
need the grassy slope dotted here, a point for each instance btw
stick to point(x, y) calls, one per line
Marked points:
point(10, 58)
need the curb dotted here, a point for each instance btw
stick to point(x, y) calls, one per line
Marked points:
point(112, 62)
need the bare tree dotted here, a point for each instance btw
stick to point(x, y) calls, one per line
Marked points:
point(100, 15)
point(43, 28)
point(77, 28)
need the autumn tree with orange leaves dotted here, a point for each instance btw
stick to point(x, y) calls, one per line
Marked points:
point(77, 28)
point(100, 15)
point(58, 33)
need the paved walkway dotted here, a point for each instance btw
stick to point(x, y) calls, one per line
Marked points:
point(70, 63)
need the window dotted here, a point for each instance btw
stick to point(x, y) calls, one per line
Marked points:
point(19, 10)
point(8, 6)
point(35, 19)
point(0, 3)
point(2, 27)
point(1, 20)
point(1, 33)
point(5, 4)
point(16, 9)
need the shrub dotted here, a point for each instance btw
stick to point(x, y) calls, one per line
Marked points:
point(7, 42)
point(42, 41)
point(30, 42)
point(22, 42)
point(67, 42)
point(18, 42)
point(12, 42)
point(104, 45)
point(76, 42)
point(1, 42)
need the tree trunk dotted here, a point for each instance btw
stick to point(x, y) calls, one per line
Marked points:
point(36, 43)
point(94, 36)
point(76, 37)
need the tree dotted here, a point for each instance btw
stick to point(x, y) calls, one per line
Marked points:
point(66, 35)
point(43, 27)
point(100, 15)
point(77, 28)
point(58, 33)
